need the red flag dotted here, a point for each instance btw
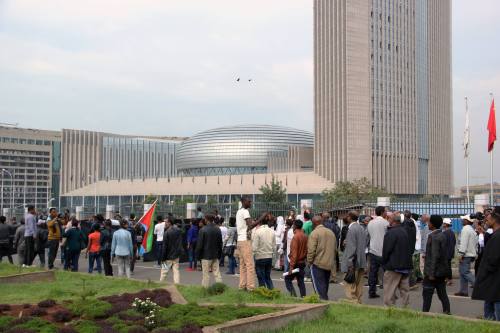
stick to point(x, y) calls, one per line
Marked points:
point(492, 127)
point(148, 223)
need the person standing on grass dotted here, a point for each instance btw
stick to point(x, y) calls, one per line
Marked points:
point(94, 248)
point(5, 243)
point(487, 284)
point(450, 246)
point(19, 244)
point(436, 266)
point(209, 250)
point(376, 231)
point(158, 232)
point(192, 238)
point(396, 260)
point(30, 235)
point(264, 244)
point(106, 241)
point(172, 250)
point(122, 249)
point(297, 260)
point(54, 238)
point(354, 257)
point(321, 248)
point(467, 251)
point(244, 224)
point(75, 240)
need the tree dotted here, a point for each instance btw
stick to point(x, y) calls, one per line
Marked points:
point(149, 199)
point(273, 192)
point(353, 192)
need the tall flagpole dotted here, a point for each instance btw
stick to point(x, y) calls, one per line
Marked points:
point(492, 202)
point(466, 148)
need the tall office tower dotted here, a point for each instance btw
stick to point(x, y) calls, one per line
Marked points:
point(383, 93)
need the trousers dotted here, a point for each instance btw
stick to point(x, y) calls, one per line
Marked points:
point(263, 269)
point(300, 282)
point(206, 266)
point(168, 265)
point(354, 291)
point(428, 287)
point(466, 275)
point(106, 261)
point(375, 265)
point(321, 281)
point(53, 247)
point(396, 283)
point(123, 265)
point(247, 265)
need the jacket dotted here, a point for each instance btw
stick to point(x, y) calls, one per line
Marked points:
point(298, 249)
point(487, 284)
point(4, 234)
point(209, 244)
point(450, 244)
point(232, 236)
point(106, 239)
point(396, 252)
point(121, 245)
point(355, 246)
point(263, 242)
point(436, 259)
point(321, 248)
point(41, 239)
point(192, 235)
point(19, 243)
point(468, 242)
point(75, 239)
point(410, 228)
point(54, 228)
point(172, 244)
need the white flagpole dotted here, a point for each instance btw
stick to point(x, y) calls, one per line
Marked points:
point(492, 202)
point(466, 147)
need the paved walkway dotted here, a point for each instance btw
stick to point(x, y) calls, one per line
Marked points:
point(460, 306)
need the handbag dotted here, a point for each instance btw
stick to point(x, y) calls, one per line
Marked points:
point(350, 276)
point(228, 250)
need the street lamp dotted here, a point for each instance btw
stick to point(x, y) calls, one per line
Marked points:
point(11, 183)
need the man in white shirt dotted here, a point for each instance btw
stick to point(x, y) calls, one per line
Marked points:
point(376, 231)
point(247, 265)
point(223, 231)
point(158, 232)
point(467, 252)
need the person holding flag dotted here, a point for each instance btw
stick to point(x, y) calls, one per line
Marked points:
point(147, 222)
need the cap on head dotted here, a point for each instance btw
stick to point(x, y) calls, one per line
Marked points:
point(447, 221)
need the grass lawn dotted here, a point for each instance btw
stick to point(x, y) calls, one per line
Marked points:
point(351, 319)
point(67, 286)
point(231, 296)
point(8, 269)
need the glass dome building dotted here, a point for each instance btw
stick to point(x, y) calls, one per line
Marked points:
point(240, 149)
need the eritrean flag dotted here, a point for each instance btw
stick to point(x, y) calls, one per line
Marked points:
point(148, 223)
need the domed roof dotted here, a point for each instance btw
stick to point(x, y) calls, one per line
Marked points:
point(244, 146)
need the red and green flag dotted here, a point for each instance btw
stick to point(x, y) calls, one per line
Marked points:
point(148, 223)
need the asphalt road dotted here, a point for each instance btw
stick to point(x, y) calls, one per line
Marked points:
point(460, 306)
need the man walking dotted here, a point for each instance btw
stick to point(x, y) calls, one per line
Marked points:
point(376, 230)
point(297, 260)
point(29, 235)
point(451, 242)
point(54, 226)
point(172, 250)
point(158, 232)
point(354, 258)
point(396, 260)
point(411, 230)
point(321, 249)
point(467, 251)
point(436, 266)
point(487, 286)
point(122, 248)
point(209, 250)
point(263, 244)
point(243, 225)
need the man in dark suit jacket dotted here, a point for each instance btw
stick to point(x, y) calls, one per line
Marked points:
point(172, 249)
point(487, 284)
point(436, 266)
point(354, 257)
point(209, 250)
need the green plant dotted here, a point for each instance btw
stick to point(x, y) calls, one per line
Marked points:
point(38, 325)
point(86, 326)
point(274, 192)
point(5, 322)
point(85, 293)
point(90, 309)
point(145, 307)
point(314, 298)
point(267, 293)
point(353, 192)
point(389, 327)
point(216, 289)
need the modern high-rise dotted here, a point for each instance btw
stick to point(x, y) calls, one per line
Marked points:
point(383, 93)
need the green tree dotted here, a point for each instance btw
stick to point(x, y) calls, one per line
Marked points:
point(274, 192)
point(353, 192)
point(149, 199)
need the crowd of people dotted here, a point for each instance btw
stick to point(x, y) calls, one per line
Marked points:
point(393, 250)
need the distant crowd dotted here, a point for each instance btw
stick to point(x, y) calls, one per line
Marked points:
point(394, 250)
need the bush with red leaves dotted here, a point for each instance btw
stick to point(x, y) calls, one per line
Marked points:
point(62, 316)
point(37, 312)
point(47, 303)
point(5, 307)
point(124, 302)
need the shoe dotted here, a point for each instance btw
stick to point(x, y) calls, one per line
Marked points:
point(461, 294)
point(307, 280)
point(374, 296)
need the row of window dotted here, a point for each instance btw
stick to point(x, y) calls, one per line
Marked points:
point(25, 141)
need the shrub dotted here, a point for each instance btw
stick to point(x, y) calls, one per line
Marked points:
point(314, 298)
point(62, 316)
point(47, 303)
point(267, 293)
point(86, 326)
point(216, 289)
point(5, 321)
point(130, 315)
point(37, 325)
point(37, 312)
point(90, 309)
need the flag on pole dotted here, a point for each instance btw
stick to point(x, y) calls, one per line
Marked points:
point(492, 127)
point(148, 223)
point(466, 134)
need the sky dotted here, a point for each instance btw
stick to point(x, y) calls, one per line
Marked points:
point(169, 67)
